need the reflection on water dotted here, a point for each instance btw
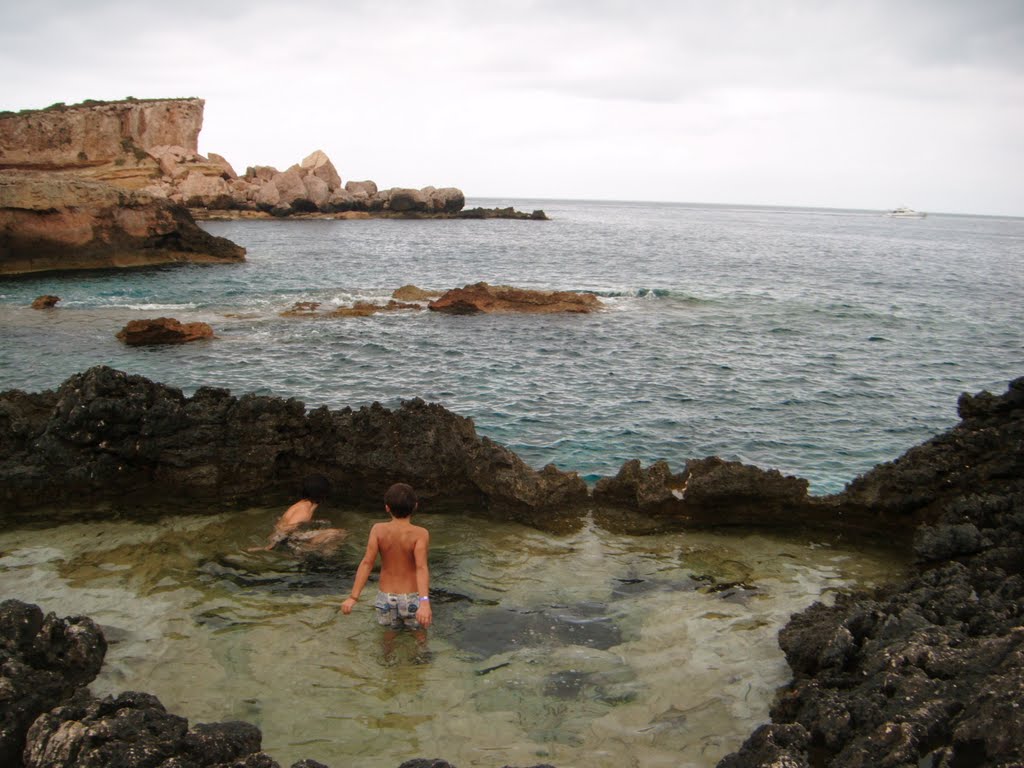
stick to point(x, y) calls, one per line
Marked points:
point(652, 651)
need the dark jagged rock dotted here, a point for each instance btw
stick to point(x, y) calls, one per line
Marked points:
point(708, 493)
point(43, 662)
point(926, 672)
point(929, 671)
point(134, 729)
point(985, 450)
point(501, 213)
point(772, 746)
point(107, 436)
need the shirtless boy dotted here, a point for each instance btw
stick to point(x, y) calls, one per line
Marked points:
point(404, 596)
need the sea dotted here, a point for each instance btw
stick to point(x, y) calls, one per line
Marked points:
point(818, 342)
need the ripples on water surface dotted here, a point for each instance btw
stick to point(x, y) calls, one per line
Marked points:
point(816, 342)
point(587, 649)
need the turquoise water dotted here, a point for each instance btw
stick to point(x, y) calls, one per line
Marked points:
point(817, 342)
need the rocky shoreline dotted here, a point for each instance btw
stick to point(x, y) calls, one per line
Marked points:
point(926, 672)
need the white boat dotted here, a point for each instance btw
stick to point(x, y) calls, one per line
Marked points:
point(905, 213)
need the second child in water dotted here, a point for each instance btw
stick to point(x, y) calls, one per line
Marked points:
point(404, 596)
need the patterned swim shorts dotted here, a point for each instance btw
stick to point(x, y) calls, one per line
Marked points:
point(397, 610)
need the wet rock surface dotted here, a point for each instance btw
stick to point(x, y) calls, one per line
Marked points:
point(134, 729)
point(481, 297)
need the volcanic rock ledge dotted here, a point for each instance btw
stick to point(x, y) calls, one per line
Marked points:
point(929, 671)
point(106, 436)
point(926, 672)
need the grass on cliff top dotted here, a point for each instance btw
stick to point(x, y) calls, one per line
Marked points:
point(60, 106)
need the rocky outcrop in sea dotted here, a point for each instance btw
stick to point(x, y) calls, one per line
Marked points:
point(50, 221)
point(152, 146)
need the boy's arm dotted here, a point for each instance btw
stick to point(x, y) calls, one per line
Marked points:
point(362, 572)
point(424, 615)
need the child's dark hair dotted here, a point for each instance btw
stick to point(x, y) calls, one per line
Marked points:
point(315, 488)
point(401, 499)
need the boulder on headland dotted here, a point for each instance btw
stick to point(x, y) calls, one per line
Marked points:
point(53, 222)
point(46, 301)
point(163, 330)
point(481, 297)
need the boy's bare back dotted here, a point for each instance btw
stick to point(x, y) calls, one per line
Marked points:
point(402, 546)
point(404, 573)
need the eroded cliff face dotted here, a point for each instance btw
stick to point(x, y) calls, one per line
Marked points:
point(152, 145)
point(50, 221)
point(117, 142)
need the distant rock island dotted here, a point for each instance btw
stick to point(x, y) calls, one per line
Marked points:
point(105, 184)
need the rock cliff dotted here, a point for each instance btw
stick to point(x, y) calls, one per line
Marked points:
point(118, 142)
point(50, 221)
point(152, 145)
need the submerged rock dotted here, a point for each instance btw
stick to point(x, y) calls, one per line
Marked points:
point(499, 630)
point(46, 301)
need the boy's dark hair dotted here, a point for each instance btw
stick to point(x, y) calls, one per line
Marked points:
point(315, 488)
point(401, 499)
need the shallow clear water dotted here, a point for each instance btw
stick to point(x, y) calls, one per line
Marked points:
point(586, 649)
point(817, 342)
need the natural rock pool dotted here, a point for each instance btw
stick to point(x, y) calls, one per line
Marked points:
point(591, 648)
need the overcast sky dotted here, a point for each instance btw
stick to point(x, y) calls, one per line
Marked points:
point(837, 104)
